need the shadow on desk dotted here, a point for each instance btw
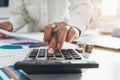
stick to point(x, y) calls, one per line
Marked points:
point(56, 77)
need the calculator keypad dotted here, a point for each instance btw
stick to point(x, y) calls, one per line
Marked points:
point(67, 54)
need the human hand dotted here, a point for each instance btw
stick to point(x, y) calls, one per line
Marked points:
point(5, 26)
point(64, 33)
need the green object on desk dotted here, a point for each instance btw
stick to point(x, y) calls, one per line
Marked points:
point(10, 47)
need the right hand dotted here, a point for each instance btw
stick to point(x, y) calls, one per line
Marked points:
point(55, 40)
point(6, 26)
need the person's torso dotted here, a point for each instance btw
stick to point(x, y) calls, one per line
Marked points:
point(43, 12)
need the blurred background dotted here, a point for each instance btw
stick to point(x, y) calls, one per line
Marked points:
point(4, 12)
point(106, 15)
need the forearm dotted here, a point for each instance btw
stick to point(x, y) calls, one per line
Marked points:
point(81, 13)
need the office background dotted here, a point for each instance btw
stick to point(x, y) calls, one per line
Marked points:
point(3, 3)
point(107, 13)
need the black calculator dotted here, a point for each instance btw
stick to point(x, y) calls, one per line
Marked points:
point(39, 61)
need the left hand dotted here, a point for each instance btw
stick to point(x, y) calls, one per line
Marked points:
point(65, 33)
point(6, 26)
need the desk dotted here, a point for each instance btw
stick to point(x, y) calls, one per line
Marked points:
point(109, 64)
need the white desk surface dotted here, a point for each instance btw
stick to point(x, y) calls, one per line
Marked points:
point(109, 64)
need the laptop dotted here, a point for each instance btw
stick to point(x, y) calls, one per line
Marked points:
point(108, 42)
point(103, 41)
point(39, 61)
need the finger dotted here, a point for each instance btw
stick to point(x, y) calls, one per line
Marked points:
point(7, 37)
point(72, 34)
point(62, 36)
point(48, 33)
point(2, 26)
point(4, 36)
point(1, 35)
point(52, 44)
point(5, 26)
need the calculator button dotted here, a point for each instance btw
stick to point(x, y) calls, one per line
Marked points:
point(65, 52)
point(77, 57)
point(43, 50)
point(35, 50)
point(72, 52)
point(41, 53)
point(33, 54)
point(57, 54)
point(49, 55)
point(79, 51)
point(68, 57)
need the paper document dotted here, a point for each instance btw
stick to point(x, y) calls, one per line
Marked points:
point(17, 39)
point(12, 34)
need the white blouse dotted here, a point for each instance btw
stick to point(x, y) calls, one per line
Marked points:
point(42, 12)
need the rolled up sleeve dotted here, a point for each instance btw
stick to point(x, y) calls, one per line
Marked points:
point(81, 12)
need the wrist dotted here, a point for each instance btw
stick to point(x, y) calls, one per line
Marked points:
point(79, 31)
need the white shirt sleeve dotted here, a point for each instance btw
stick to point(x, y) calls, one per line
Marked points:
point(81, 12)
point(19, 17)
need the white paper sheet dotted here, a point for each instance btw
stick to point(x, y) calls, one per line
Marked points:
point(15, 38)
